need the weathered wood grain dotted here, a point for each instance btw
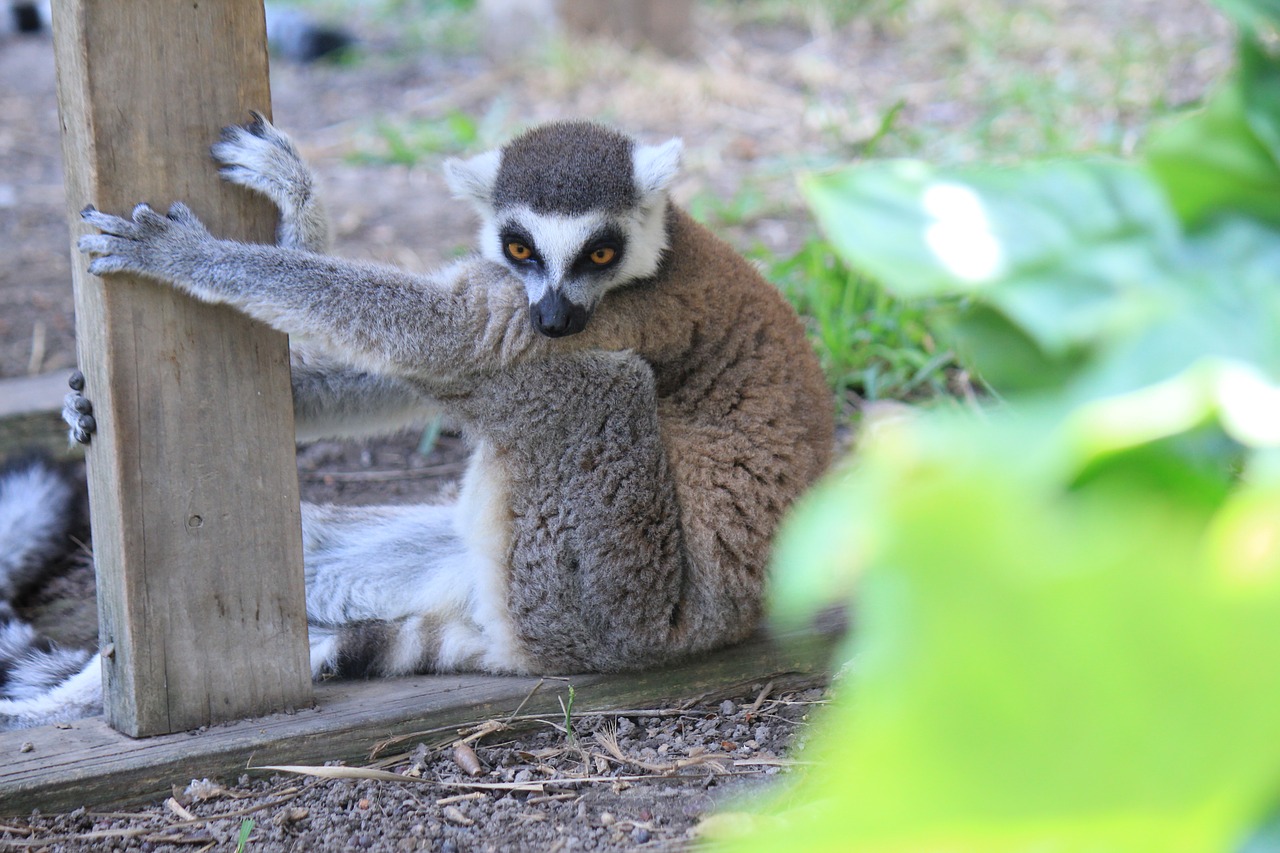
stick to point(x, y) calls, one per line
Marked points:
point(91, 765)
point(191, 477)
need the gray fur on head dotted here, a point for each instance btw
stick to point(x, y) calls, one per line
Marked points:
point(567, 167)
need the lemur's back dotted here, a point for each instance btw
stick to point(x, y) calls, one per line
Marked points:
point(747, 415)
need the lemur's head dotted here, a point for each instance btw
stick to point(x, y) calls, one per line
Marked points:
point(572, 208)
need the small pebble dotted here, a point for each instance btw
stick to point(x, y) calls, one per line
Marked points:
point(27, 746)
point(727, 708)
point(640, 835)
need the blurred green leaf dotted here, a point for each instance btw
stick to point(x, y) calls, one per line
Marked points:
point(1068, 610)
point(1253, 15)
point(1227, 156)
point(1213, 161)
point(1074, 274)
point(1260, 85)
point(1062, 249)
point(1043, 661)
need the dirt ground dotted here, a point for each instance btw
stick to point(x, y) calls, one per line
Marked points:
point(765, 95)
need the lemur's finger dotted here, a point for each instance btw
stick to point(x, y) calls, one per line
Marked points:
point(259, 124)
point(180, 213)
point(83, 429)
point(237, 174)
point(230, 141)
point(109, 264)
point(76, 381)
point(144, 214)
point(77, 414)
point(102, 244)
point(108, 223)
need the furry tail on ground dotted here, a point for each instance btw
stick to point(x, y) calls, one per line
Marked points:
point(41, 511)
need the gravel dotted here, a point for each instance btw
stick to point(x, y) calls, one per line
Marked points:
point(642, 779)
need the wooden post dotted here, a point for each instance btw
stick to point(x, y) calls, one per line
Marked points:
point(192, 480)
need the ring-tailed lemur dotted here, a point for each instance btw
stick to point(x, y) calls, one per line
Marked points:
point(643, 408)
point(291, 33)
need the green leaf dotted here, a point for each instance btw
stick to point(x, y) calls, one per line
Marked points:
point(1260, 86)
point(1253, 16)
point(1045, 661)
point(1084, 273)
point(1055, 258)
point(1213, 162)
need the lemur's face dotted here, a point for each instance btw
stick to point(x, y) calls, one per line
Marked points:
point(573, 210)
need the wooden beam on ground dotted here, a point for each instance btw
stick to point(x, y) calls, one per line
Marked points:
point(91, 765)
point(31, 414)
point(192, 484)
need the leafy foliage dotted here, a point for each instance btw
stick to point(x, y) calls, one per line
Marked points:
point(1068, 611)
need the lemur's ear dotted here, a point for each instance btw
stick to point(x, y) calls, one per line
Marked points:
point(655, 166)
point(473, 179)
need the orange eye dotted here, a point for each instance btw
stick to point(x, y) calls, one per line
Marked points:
point(519, 251)
point(602, 255)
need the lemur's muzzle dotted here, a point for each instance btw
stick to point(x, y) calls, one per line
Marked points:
point(556, 316)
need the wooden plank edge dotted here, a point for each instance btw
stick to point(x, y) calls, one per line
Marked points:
point(91, 765)
point(33, 395)
point(31, 415)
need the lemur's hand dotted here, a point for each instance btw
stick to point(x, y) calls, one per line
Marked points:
point(77, 411)
point(149, 244)
point(261, 158)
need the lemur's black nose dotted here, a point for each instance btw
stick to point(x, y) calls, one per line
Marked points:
point(556, 316)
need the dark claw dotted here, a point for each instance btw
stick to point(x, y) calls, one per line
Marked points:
point(87, 210)
point(82, 405)
point(76, 380)
point(88, 426)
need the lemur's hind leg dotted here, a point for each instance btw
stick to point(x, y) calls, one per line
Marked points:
point(597, 577)
point(393, 590)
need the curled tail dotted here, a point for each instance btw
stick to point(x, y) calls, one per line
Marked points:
point(41, 515)
point(41, 518)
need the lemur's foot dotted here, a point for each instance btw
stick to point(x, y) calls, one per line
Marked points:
point(77, 411)
point(261, 158)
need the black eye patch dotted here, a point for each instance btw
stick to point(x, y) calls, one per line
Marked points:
point(605, 249)
point(518, 246)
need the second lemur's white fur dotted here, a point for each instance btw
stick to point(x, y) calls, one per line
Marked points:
point(642, 406)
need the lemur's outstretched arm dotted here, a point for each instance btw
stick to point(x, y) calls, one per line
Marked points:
point(331, 399)
point(438, 332)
